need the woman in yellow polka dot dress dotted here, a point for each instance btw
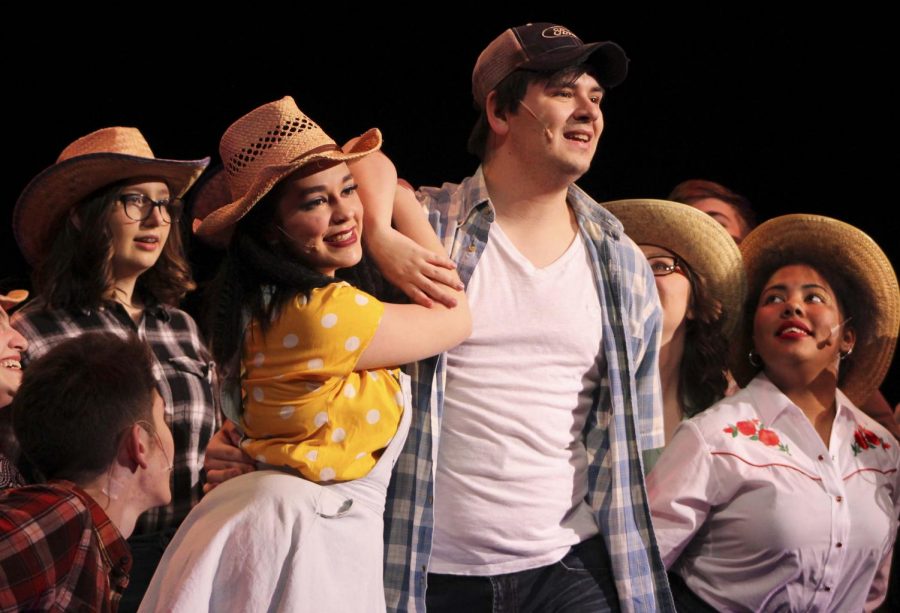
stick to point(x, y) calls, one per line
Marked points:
point(315, 357)
point(305, 405)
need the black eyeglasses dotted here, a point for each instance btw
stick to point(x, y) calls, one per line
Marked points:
point(139, 207)
point(663, 265)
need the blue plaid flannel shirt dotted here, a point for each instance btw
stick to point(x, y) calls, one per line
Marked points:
point(625, 419)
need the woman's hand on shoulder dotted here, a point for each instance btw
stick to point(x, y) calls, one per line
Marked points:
point(424, 276)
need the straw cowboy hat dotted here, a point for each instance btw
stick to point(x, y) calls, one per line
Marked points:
point(259, 150)
point(850, 254)
point(92, 162)
point(696, 239)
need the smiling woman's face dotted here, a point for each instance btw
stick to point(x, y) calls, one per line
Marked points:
point(12, 344)
point(320, 218)
point(798, 322)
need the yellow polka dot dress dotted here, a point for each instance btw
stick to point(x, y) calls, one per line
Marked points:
point(304, 404)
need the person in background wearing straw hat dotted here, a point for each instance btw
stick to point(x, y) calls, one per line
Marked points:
point(88, 416)
point(735, 213)
point(100, 227)
point(700, 279)
point(12, 345)
point(314, 360)
point(786, 496)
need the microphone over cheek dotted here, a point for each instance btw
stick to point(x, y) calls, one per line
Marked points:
point(547, 131)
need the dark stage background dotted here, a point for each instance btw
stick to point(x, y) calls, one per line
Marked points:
point(795, 111)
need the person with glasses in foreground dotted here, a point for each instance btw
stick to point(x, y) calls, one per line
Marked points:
point(89, 417)
point(700, 280)
point(785, 496)
point(101, 229)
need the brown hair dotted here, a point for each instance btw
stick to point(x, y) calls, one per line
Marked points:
point(77, 272)
point(77, 400)
point(692, 190)
point(701, 377)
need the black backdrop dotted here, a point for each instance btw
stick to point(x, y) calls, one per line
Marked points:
point(795, 111)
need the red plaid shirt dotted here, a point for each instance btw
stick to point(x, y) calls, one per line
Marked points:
point(59, 551)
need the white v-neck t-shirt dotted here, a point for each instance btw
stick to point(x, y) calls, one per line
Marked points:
point(511, 475)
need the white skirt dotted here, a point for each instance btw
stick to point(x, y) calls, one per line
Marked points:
point(271, 541)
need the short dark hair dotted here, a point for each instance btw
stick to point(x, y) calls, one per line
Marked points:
point(77, 271)
point(77, 400)
point(510, 92)
point(693, 190)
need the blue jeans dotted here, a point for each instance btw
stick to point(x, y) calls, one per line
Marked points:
point(581, 581)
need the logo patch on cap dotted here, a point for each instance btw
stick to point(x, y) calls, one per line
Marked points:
point(556, 32)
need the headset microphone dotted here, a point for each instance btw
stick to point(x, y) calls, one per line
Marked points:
point(547, 131)
point(833, 329)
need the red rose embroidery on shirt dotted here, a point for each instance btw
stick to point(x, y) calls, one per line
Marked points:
point(746, 427)
point(866, 439)
point(768, 437)
point(755, 431)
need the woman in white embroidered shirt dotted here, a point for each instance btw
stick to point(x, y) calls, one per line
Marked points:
point(786, 496)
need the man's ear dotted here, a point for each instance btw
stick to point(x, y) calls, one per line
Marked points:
point(497, 119)
point(135, 448)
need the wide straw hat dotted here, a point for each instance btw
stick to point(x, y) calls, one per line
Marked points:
point(262, 148)
point(694, 237)
point(14, 297)
point(850, 254)
point(92, 162)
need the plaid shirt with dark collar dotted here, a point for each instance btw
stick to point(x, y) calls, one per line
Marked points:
point(59, 551)
point(184, 371)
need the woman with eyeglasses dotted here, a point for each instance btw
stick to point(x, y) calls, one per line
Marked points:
point(101, 229)
point(700, 281)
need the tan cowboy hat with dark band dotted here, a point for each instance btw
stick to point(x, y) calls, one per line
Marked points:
point(694, 237)
point(92, 162)
point(851, 254)
point(262, 148)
